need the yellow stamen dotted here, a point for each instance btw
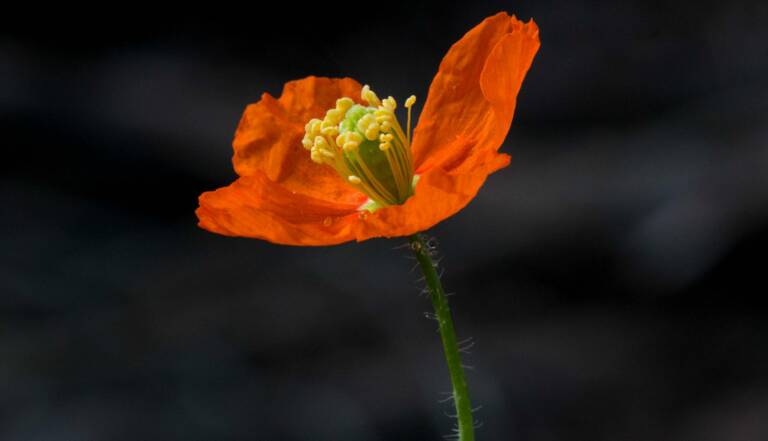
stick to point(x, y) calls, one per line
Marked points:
point(343, 104)
point(408, 104)
point(370, 96)
point(371, 179)
point(333, 116)
point(366, 146)
point(390, 104)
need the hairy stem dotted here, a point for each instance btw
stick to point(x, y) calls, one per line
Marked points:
point(448, 336)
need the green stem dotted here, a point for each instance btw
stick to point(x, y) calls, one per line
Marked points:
point(448, 336)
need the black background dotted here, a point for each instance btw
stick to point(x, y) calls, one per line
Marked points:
point(612, 277)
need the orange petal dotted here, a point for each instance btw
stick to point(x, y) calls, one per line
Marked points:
point(472, 98)
point(268, 139)
point(439, 194)
point(256, 207)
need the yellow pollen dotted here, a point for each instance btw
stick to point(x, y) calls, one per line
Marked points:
point(330, 131)
point(333, 116)
point(326, 124)
point(354, 179)
point(370, 96)
point(368, 126)
point(372, 132)
point(320, 142)
point(390, 104)
point(408, 104)
point(343, 104)
point(349, 140)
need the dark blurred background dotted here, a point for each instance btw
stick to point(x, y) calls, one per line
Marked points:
point(612, 277)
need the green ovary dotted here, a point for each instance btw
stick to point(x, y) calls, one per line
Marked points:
point(372, 164)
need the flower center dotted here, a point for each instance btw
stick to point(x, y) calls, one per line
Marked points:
point(367, 147)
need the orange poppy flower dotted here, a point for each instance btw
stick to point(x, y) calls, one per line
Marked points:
point(287, 195)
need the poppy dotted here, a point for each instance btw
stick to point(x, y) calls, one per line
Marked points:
point(364, 176)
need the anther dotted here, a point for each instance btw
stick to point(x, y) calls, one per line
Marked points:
point(408, 104)
point(330, 131)
point(320, 142)
point(372, 132)
point(354, 179)
point(312, 125)
point(327, 123)
point(343, 104)
point(390, 104)
point(365, 122)
point(370, 96)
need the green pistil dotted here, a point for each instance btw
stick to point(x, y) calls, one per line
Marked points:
point(381, 177)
